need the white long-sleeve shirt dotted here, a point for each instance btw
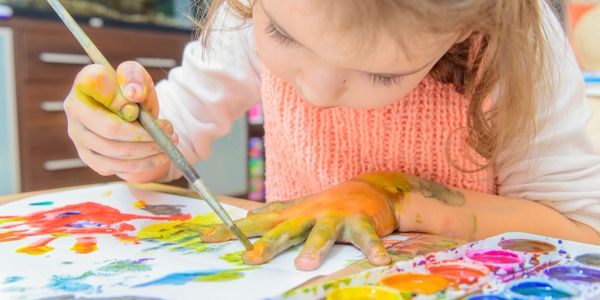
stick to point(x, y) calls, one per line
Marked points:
point(216, 85)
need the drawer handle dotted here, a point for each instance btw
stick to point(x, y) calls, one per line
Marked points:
point(150, 62)
point(52, 106)
point(65, 58)
point(63, 164)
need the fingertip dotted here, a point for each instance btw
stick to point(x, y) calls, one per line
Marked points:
point(134, 91)
point(129, 112)
point(307, 262)
point(256, 256)
point(379, 258)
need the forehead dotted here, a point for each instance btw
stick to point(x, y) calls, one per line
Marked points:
point(337, 36)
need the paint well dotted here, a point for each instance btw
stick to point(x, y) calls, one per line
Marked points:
point(363, 292)
point(415, 283)
point(458, 271)
point(540, 290)
point(486, 297)
point(590, 259)
point(525, 245)
point(506, 260)
point(574, 274)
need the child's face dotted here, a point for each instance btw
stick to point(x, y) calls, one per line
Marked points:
point(331, 67)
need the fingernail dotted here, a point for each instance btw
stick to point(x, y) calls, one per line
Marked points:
point(129, 112)
point(132, 90)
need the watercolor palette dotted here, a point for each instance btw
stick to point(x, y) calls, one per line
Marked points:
point(507, 266)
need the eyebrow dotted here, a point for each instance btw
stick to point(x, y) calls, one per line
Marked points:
point(279, 28)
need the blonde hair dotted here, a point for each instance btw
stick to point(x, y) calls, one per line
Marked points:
point(505, 55)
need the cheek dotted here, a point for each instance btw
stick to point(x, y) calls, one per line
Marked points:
point(274, 56)
point(363, 93)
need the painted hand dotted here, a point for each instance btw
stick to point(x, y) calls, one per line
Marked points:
point(100, 108)
point(359, 211)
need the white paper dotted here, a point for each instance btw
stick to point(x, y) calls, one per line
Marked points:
point(100, 274)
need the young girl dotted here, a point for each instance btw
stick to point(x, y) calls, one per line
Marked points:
point(461, 118)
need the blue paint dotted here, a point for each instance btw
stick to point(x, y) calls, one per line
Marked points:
point(178, 278)
point(69, 283)
point(12, 279)
point(69, 213)
point(84, 224)
point(43, 203)
point(486, 297)
point(539, 289)
point(574, 273)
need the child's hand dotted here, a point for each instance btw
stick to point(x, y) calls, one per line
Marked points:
point(359, 211)
point(101, 108)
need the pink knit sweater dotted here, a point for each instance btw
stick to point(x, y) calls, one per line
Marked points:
point(309, 149)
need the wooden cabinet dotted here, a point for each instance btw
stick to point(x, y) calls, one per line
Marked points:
point(47, 58)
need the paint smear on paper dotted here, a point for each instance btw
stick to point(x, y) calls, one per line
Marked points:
point(234, 258)
point(42, 203)
point(85, 244)
point(139, 203)
point(158, 209)
point(418, 244)
point(185, 277)
point(181, 235)
point(128, 265)
point(38, 247)
point(71, 283)
point(106, 194)
point(82, 218)
point(13, 279)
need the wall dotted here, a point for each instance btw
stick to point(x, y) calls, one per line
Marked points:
point(9, 175)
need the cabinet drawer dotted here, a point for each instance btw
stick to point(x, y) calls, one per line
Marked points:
point(41, 106)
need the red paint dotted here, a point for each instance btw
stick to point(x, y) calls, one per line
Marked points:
point(458, 271)
point(505, 260)
point(82, 218)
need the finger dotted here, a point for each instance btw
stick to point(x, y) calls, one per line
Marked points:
point(87, 157)
point(276, 205)
point(111, 126)
point(137, 86)
point(322, 236)
point(117, 149)
point(100, 84)
point(254, 225)
point(285, 235)
point(113, 165)
point(359, 230)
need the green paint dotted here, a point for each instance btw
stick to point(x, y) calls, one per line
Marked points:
point(440, 192)
point(9, 220)
point(182, 234)
point(127, 265)
point(225, 275)
point(337, 283)
point(234, 258)
point(67, 262)
point(43, 203)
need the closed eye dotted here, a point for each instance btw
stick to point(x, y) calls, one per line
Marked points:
point(279, 36)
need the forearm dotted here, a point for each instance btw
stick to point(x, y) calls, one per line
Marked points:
point(470, 215)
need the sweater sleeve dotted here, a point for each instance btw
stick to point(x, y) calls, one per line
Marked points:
point(561, 169)
point(213, 86)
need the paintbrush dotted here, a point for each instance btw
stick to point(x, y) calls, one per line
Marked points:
point(151, 126)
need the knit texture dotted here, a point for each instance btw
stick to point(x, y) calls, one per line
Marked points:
point(309, 149)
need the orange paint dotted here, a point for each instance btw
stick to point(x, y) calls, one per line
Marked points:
point(85, 244)
point(458, 271)
point(38, 247)
point(416, 283)
point(256, 255)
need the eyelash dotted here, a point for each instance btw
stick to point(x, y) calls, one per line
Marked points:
point(385, 80)
point(278, 36)
point(377, 79)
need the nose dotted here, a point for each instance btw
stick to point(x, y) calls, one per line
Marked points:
point(321, 84)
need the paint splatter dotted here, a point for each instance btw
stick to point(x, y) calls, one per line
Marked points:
point(13, 279)
point(140, 204)
point(85, 244)
point(71, 283)
point(181, 235)
point(163, 209)
point(418, 244)
point(67, 262)
point(82, 218)
point(185, 277)
point(234, 258)
point(38, 247)
point(42, 203)
point(106, 194)
point(127, 265)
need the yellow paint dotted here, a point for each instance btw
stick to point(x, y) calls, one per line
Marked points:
point(83, 248)
point(59, 234)
point(140, 204)
point(33, 250)
point(106, 193)
point(363, 292)
point(415, 283)
point(2, 221)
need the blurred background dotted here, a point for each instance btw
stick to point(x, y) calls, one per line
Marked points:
point(39, 60)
